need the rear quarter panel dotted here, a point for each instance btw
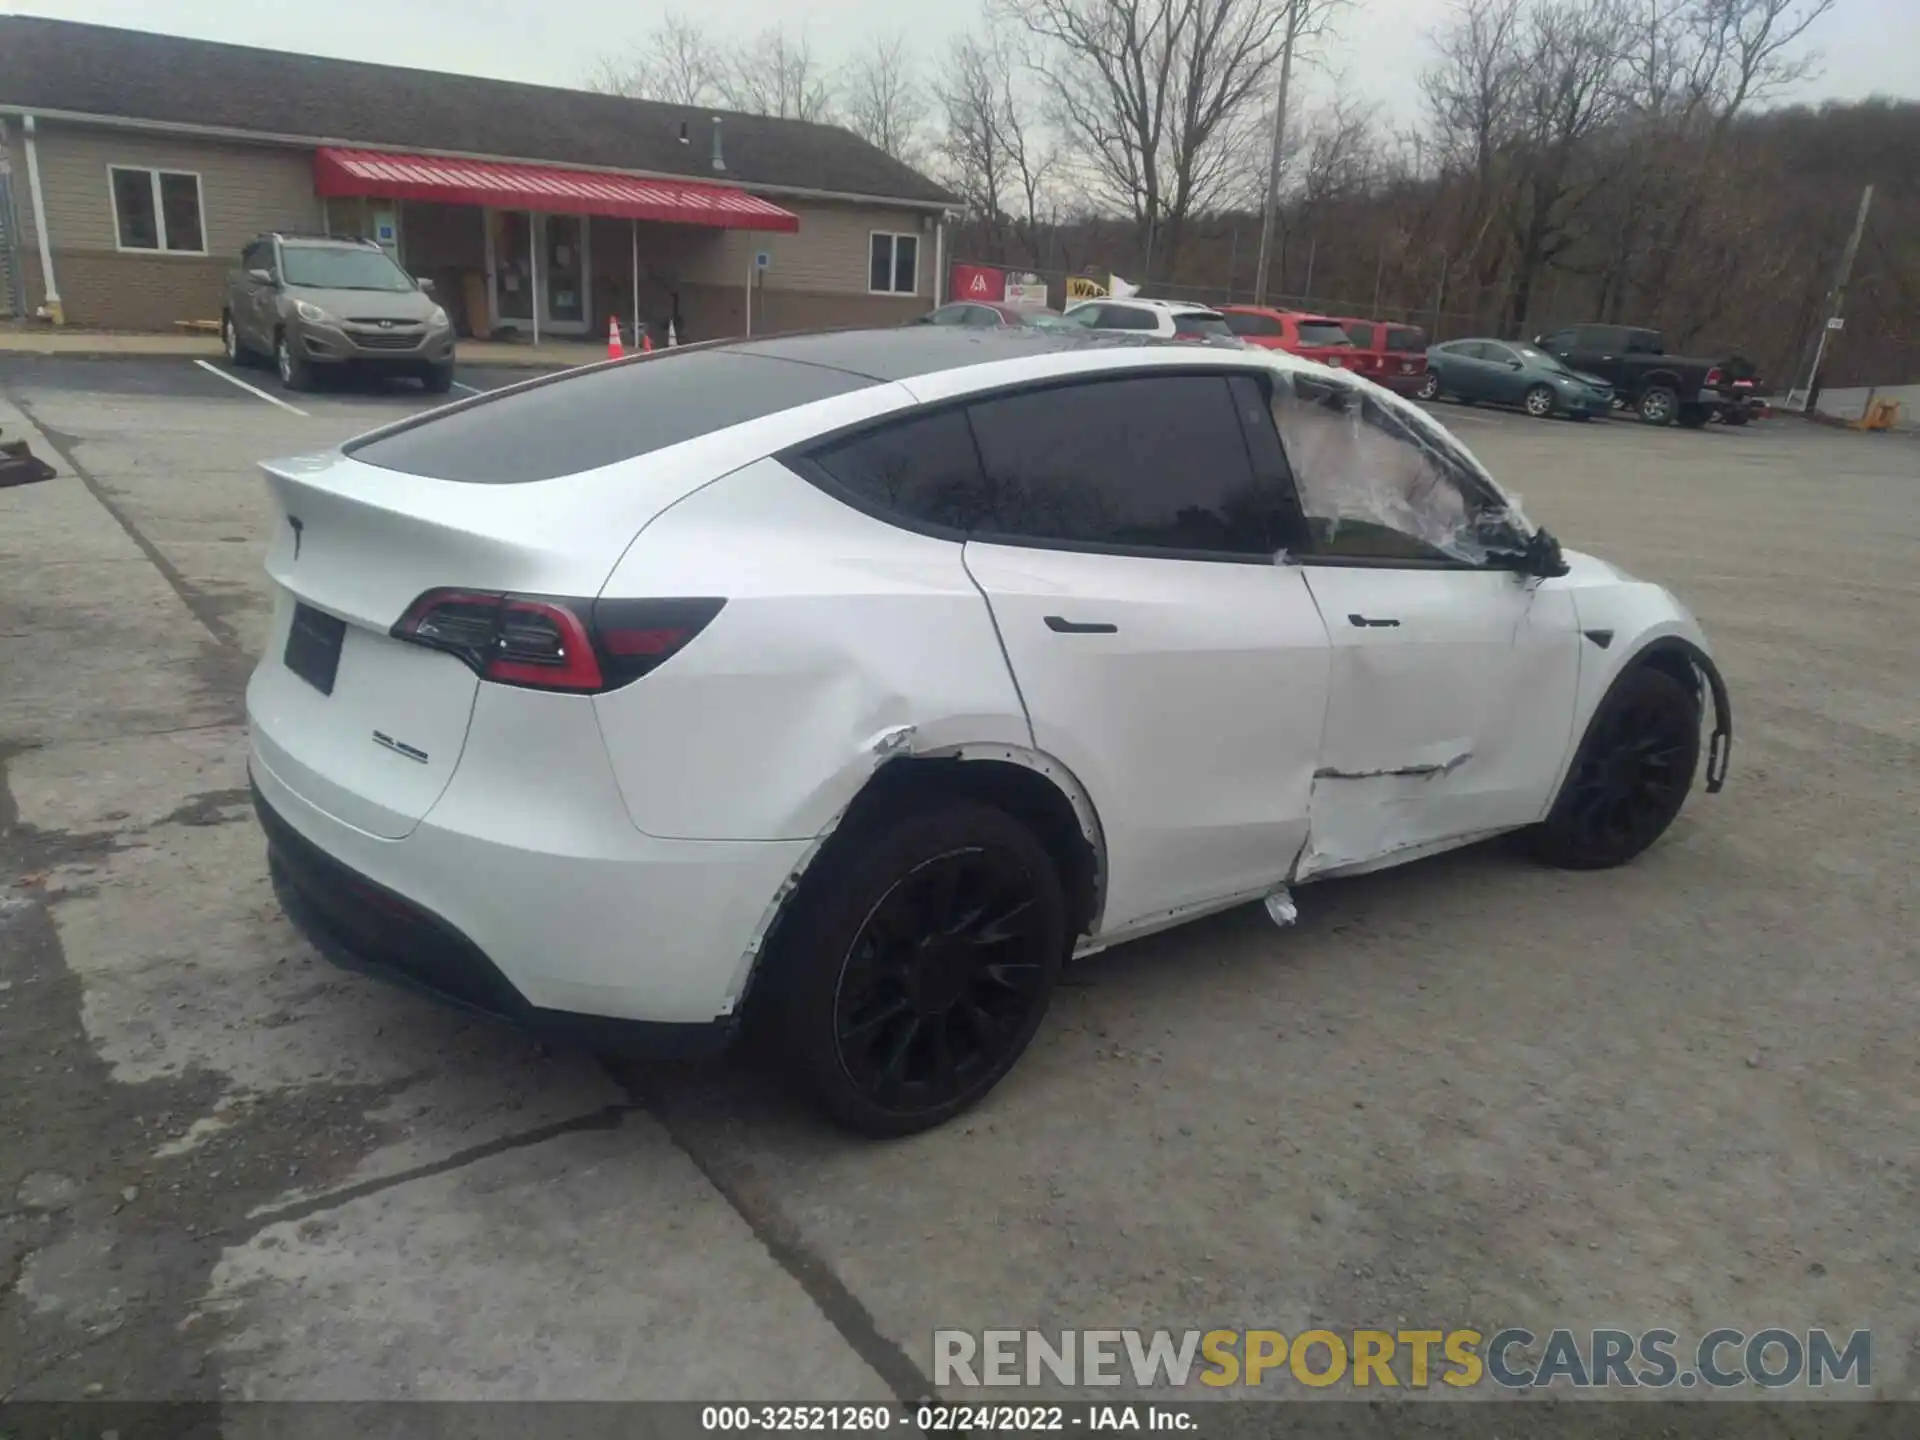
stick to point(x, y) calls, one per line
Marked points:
point(844, 642)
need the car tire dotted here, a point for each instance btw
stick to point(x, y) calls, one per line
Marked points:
point(239, 356)
point(1694, 417)
point(1633, 771)
point(1658, 405)
point(295, 373)
point(438, 379)
point(915, 965)
point(1538, 401)
point(1429, 388)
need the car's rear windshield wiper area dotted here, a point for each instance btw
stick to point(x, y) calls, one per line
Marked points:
point(583, 420)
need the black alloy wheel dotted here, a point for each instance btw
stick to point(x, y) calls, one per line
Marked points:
point(1631, 776)
point(940, 981)
point(918, 966)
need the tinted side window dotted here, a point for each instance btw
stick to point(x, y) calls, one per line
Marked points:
point(1127, 317)
point(1597, 339)
point(1361, 335)
point(1407, 341)
point(1147, 464)
point(981, 316)
point(923, 471)
point(1241, 323)
point(1558, 340)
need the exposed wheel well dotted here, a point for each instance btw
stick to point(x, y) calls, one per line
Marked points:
point(1025, 794)
point(1688, 664)
point(1675, 662)
point(912, 782)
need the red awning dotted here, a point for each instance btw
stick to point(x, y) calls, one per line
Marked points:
point(539, 187)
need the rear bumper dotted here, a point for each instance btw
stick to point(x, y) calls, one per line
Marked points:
point(525, 889)
point(365, 927)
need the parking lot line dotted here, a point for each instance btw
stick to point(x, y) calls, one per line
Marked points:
point(470, 389)
point(250, 389)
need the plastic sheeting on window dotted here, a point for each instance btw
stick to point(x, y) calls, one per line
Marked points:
point(1360, 460)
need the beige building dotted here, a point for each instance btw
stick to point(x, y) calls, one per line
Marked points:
point(134, 167)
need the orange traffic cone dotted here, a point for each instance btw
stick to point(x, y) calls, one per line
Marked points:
point(646, 342)
point(614, 348)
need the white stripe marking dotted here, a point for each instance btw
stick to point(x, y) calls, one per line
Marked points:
point(470, 389)
point(250, 389)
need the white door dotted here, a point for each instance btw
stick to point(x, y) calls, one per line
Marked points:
point(1453, 676)
point(1450, 707)
point(1161, 654)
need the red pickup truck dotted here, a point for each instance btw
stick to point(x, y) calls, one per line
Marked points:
point(1388, 354)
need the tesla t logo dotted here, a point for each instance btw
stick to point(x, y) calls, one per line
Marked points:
point(299, 529)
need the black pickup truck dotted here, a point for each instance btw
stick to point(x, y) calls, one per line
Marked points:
point(1662, 388)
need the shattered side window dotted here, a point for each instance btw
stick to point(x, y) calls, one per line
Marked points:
point(1373, 487)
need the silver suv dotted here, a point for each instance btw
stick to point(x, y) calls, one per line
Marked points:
point(310, 301)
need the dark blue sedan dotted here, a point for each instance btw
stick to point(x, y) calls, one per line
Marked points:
point(1503, 372)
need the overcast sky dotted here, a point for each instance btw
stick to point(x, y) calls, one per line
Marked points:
point(1870, 46)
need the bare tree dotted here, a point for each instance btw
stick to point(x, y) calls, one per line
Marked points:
point(991, 151)
point(882, 98)
point(1161, 99)
point(676, 63)
point(777, 74)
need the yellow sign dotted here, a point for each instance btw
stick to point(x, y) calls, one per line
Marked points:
point(1079, 287)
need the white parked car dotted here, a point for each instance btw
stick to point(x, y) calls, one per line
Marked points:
point(1166, 319)
point(849, 684)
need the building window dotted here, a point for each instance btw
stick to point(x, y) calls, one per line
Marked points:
point(157, 210)
point(893, 263)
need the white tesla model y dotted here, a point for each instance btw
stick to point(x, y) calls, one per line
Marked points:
point(846, 685)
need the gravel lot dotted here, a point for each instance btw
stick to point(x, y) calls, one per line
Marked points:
point(1468, 1092)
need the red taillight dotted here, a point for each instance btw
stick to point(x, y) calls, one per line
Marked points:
point(1713, 377)
point(544, 642)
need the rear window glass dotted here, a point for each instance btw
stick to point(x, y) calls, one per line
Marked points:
point(1361, 335)
point(1323, 332)
point(1406, 340)
point(1200, 325)
point(1241, 323)
point(597, 417)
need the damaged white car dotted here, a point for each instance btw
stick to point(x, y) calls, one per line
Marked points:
point(846, 685)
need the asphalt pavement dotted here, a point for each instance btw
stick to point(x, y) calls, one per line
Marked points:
point(1471, 1091)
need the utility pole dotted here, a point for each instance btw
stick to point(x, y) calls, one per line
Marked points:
point(1294, 16)
point(1836, 311)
